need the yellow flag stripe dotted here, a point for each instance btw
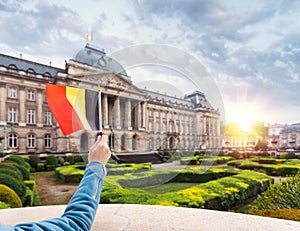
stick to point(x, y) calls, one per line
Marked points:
point(76, 97)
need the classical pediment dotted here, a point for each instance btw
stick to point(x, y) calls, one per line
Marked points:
point(107, 80)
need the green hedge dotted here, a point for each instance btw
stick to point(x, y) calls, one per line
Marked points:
point(218, 194)
point(4, 205)
point(151, 178)
point(18, 159)
point(12, 173)
point(25, 172)
point(200, 160)
point(70, 174)
point(9, 197)
point(284, 195)
point(51, 160)
point(279, 168)
point(17, 185)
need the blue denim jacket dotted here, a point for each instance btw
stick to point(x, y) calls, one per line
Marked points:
point(81, 210)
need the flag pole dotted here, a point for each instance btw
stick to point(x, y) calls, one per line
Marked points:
point(100, 109)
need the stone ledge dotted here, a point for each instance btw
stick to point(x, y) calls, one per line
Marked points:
point(148, 217)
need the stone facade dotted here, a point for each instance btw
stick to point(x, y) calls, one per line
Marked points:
point(137, 120)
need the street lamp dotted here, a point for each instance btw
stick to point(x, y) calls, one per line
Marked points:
point(5, 150)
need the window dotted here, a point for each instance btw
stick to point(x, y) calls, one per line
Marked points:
point(48, 141)
point(31, 141)
point(30, 95)
point(12, 92)
point(47, 118)
point(12, 114)
point(12, 140)
point(31, 116)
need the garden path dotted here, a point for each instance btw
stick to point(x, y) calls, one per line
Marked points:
point(52, 193)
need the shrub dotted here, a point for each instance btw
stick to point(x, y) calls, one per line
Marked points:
point(70, 159)
point(67, 163)
point(18, 159)
point(287, 155)
point(30, 184)
point(284, 195)
point(25, 172)
point(60, 160)
point(50, 167)
point(69, 174)
point(34, 160)
point(12, 173)
point(78, 158)
point(124, 195)
point(287, 214)
point(9, 197)
point(15, 184)
point(4, 205)
point(29, 198)
point(51, 160)
point(40, 167)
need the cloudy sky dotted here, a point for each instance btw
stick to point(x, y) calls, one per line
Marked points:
point(250, 48)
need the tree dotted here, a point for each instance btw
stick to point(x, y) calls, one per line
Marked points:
point(233, 129)
point(258, 129)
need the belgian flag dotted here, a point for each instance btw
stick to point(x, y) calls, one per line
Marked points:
point(75, 108)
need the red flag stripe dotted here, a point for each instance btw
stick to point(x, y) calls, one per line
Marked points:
point(62, 110)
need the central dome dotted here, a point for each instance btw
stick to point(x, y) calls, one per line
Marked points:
point(96, 57)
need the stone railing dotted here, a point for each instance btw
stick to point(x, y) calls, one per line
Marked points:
point(148, 217)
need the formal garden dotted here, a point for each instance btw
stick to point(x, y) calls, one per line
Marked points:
point(229, 182)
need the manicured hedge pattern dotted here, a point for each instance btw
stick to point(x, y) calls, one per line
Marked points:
point(218, 194)
point(275, 167)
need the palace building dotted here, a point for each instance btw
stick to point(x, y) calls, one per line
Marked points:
point(137, 120)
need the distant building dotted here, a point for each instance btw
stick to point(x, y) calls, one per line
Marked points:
point(289, 136)
point(273, 138)
point(243, 141)
point(139, 120)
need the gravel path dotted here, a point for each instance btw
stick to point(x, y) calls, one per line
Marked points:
point(50, 192)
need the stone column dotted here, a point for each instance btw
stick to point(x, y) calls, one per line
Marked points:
point(116, 114)
point(139, 115)
point(128, 114)
point(104, 104)
point(144, 115)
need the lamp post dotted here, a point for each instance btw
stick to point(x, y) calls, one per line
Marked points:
point(5, 150)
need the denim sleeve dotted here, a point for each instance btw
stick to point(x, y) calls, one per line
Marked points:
point(81, 210)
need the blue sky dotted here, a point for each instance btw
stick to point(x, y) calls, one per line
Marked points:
point(250, 48)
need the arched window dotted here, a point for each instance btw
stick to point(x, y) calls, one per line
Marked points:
point(135, 142)
point(47, 141)
point(31, 141)
point(12, 68)
point(30, 71)
point(12, 140)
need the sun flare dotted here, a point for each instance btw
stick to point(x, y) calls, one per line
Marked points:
point(243, 114)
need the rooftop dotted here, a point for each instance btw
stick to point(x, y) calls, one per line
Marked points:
point(148, 217)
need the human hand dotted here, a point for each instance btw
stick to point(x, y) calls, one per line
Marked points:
point(99, 151)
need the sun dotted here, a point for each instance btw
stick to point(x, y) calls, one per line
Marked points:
point(242, 114)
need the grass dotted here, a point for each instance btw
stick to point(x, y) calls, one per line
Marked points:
point(169, 187)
